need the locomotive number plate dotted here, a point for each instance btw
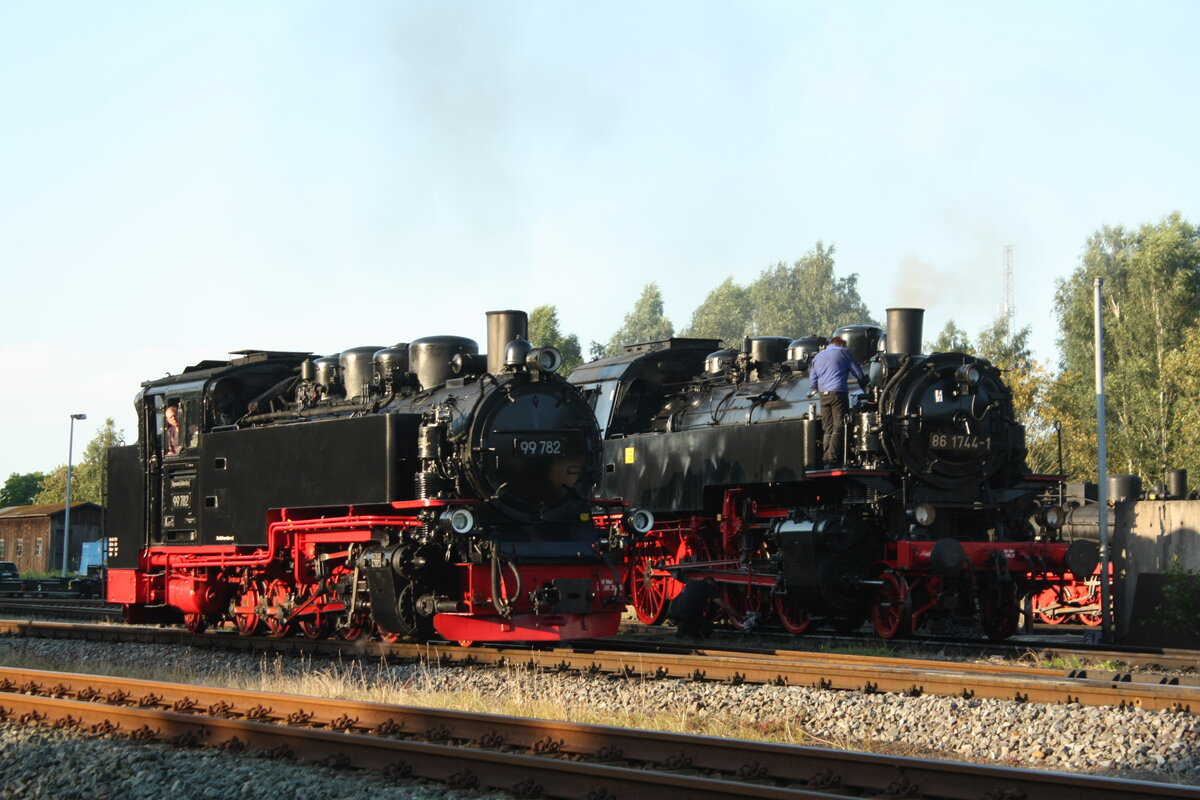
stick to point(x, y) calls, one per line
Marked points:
point(962, 442)
point(538, 446)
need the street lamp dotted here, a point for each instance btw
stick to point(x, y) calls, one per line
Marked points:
point(67, 521)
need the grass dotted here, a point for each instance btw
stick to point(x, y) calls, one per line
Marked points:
point(384, 681)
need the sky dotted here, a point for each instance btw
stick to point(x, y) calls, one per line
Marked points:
point(182, 180)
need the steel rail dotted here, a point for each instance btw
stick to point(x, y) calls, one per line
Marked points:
point(819, 670)
point(625, 762)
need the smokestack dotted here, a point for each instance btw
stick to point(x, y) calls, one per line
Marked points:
point(904, 330)
point(502, 328)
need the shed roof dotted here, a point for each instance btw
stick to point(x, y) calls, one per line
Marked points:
point(43, 510)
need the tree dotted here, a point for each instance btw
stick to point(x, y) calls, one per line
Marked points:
point(1183, 379)
point(544, 332)
point(805, 298)
point(724, 314)
point(1150, 299)
point(952, 339)
point(87, 477)
point(20, 490)
point(645, 323)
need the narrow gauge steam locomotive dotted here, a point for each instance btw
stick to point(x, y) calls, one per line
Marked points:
point(933, 514)
point(421, 488)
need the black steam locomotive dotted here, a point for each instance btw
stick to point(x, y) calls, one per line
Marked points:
point(420, 490)
point(934, 513)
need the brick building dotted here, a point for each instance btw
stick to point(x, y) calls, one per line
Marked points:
point(32, 536)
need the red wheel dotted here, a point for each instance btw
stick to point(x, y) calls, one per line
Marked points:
point(891, 611)
point(356, 627)
point(245, 614)
point(743, 601)
point(792, 617)
point(195, 623)
point(1088, 594)
point(279, 604)
point(1049, 608)
point(318, 624)
point(649, 594)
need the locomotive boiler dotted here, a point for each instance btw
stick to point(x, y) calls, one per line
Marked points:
point(933, 514)
point(420, 490)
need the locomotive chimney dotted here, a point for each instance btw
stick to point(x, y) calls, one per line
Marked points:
point(904, 330)
point(502, 328)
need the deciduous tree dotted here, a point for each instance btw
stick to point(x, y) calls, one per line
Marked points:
point(87, 477)
point(544, 332)
point(645, 323)
point(724, 314)
point(1150, 300)
point(20, 490)
point(805, 297)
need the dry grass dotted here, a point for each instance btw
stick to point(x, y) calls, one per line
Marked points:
point(380, 681)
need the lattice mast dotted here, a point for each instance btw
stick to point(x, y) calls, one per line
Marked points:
point(1009, 310)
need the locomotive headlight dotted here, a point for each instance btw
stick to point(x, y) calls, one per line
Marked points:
point(637, 520)
point(547, 359)
point(968, 376)
point(1052, 517)
point(457, 520)
point(923, 514)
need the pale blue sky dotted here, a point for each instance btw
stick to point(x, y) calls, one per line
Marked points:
point(178, 180)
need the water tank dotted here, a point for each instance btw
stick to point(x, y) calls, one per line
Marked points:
point(328, 373)
point(1124, 488)
point(431, 357)
point(861, 340)
point(1177, 487)
point(390, 365)
point(768, 350)
point(358, 370)
point(802, 350)
point(716, 363)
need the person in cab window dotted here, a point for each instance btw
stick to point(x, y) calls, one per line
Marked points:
point(171, 433)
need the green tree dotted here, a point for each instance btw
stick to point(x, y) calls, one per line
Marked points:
point(805, 298)
point(1150, 297)
point(87, 477)
point(951, 339)
point(645, 323)
point(1182, 378)
point(1028, 381)
point(544, 332)
point(20, 490)
point(724, 314)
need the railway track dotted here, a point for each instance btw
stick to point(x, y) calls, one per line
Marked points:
point(526, 757)
point(833, 671)
point(70, 607)
point(640, 638)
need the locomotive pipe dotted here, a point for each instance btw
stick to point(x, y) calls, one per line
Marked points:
point(502, 328)
point(361, 404)
point(904, 329)
point(503, 607)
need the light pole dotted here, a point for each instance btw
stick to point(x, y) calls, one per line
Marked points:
point(67, 520)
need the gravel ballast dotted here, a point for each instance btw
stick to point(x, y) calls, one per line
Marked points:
point(37, 762)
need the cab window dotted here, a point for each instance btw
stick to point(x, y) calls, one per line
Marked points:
point(178, 422)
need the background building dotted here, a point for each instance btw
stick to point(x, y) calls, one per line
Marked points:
point(32, 536)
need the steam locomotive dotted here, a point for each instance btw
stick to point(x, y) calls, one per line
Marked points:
point(934, 514)
point(421, 490)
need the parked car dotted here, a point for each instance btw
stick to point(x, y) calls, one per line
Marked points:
point(8, 571)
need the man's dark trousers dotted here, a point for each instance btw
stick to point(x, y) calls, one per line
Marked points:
point(833, 420)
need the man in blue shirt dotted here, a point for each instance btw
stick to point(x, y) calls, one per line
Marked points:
point(828, 374)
